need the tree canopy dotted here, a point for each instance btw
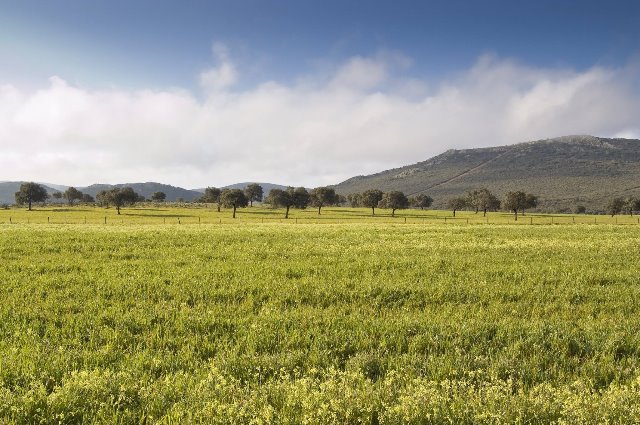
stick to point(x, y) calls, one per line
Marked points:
point(370, 199)
point(158, 196)
point(72, 194)
point(394, 200)
point(233, 198)
point(29, 193)
point(421, 201)
point(253, 192)
point(457, 203)
point(322, 196)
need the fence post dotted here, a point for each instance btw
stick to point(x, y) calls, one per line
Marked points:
point(10, 220)
point(198, 220)
point(467, 220)
point(530, 220)
point(105, 219)
point(405, 220)
point(445, 219)
point(178, 220)
point(47, 219)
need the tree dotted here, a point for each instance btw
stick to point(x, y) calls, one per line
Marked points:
point(211, 196)
point(102, 198)
point(579, 209)
point(354, 199)
point(456, 204)
point(615, 206)
point(301, 197)
point(482, 199)
point(72, 194)
point(233, 198)
point(121, 196)
point(29, 193)
point(531, 201)
point(394, 200)
point(370, 199)
point(281, 198)
point(158, 196)
point(322, 196)
point(57, 195)
point(631, 204)
point(421, 201)
point(515, 201)
point(87, 199)
point(253, 192)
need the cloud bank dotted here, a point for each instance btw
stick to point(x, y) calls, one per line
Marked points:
point(365, 117)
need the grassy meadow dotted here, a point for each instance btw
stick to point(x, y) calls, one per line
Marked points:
point(339, 319)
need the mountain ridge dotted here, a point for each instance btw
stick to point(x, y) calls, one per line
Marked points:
point(562, 171)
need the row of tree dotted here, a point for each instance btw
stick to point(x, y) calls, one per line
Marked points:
point(619, 205)
point(300, 198)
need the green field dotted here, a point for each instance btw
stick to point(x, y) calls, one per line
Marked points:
point(355, 320)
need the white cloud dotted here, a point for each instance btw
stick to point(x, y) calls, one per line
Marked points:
point(364, 119)
point(222, 76)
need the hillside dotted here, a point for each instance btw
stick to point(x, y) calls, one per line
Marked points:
point(9, 189)
point(146, 189)
point(563, 172)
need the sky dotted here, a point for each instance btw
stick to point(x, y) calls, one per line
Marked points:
point(210, 93)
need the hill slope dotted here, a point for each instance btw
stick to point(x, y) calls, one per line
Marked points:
point(563, 172)
point(146, 189)
point(8, 191)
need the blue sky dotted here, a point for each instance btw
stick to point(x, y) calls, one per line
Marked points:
point(409, 53)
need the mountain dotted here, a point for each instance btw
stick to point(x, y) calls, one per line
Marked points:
point(146, 189)
point(8, 191)
point(266, 187)
point(563, 172)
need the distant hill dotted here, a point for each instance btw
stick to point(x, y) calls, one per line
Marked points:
point(563, 172)
point(146, 189)
point(266, 187)
point(8, 191)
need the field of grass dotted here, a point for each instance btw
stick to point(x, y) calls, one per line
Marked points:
point(203, 214)
point(372, 322)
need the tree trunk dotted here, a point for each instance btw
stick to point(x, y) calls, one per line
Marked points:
point(393, 212)
point(118, 209)
point(250, 202)
point(218, 206)
point(286, 213)
point(484, 212)
point(454, 213)
point(477, 210)
point(234, 211)
point(516, 213)
point(523, 211)
point(373, 210)
point(29, 204)
point(319, 210)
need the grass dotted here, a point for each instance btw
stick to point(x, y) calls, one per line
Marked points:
point(201, 214)
point(363, 321)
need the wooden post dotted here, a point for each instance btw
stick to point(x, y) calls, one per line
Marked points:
point(48, 220)
point(105, 219)
point(198, 220)
point(530, 220)
point(445, 219)
point(467, 220)
point(178, 220)
point(405, 220)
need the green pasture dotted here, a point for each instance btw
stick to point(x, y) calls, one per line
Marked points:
point(208, 214)
point(355, 322)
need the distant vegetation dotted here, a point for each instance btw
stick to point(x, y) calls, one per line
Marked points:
point(563, 173)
